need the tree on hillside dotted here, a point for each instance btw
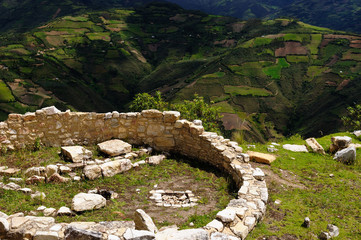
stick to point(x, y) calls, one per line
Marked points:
point(190, 110)
point(352, 120)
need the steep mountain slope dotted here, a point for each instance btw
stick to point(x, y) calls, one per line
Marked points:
point(279, 75)
point(22, 15)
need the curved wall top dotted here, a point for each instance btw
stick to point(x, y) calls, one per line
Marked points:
point(161, 130)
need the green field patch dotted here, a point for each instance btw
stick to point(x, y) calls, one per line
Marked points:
point(5, 93)
point(251, 69)
point(266, 51)
point(13, 46)
point(352, 55)
point(76, 19)
point(221, 98)
point(214, 75)
point(256, 42)
point(26, 70)
point(275, 71)
point(20, 51)
point(55, 40)
point(315, 71)
point(224, 107)
point(297, 59)
point(105, 36)
point(246, 91)
point(318, 29)
point(296, 37)
point(315, 43)
point(72, 24)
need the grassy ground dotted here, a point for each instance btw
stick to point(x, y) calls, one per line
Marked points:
point(213, 189)
point(303, 183)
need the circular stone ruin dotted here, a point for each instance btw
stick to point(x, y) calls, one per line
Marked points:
point(163, 131)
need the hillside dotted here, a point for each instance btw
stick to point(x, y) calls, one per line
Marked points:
point(276, 76)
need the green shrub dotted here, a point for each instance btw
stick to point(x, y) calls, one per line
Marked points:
point(352, 120)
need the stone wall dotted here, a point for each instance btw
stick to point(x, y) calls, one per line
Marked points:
point(161, 130)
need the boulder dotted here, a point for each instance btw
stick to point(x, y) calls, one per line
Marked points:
point(132, 234)
point(92, 172)
point(76, 154)
point(65, 211)
point(49, 110)
point(341, 141)
point(155, 160)
point(11, 186)
point(333, 230)
point(215, 224)
point(73, 233)
point(222, 236)
point(9, 171)
point(35, 179)
point(144, 222)
point(39, 171)
point(38, 195)
point(112, 168)
point(240, 230)
point(51, 169)
point(86, 201)
point(49, 212)
point(261, 157)
point(315, 146)
point(56, 178)
point(357, 133)
point(295, 148)
point(115, 147)
point(347, 155)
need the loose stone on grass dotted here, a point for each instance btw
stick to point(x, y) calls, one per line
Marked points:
point(114, 147)
point(85, 201)
point(144, 222)
point(76, 154)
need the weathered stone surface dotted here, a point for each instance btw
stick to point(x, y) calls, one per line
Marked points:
point(155, 160)
point(240, 230)
point(132, 234)
point(341, 141)
point(333, 230)
point(3, 215)
point(357, 133)
point(189, 234)
point(38, 195)
point(171, 116)
point(315, 146)
point(43, 235)
point(324, 236)
point(49, 212)
point(38, 171)
point(17, 222)
point(51, 169)
point(261, 157)
point(115, 147)
point(9, 171)
point(250, 222)
point(49, 110)
point(4, 226)
point(216, 225)
point(226, 215)
point(11, 186)
point(222, 236)
point(112, 168)
point(258, 174)
point(295, 148)
point(144, 222)
point(35, 179)
point(92, 172)
point(306, 222)
point(85, 201)
point(64, 169)
point(64, 211)
point(347, 155)
point(56, 178)
point(76, 154)
point(72, 233)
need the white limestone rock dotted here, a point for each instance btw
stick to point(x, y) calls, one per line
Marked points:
point(115, 147)
point(51, 169)
point(4, 226)
point(44, 235)
point(49, 212)
point(222, 236)
point(92, 172)
point(144, 222)
point(189, 234)
point(85, 201)
point(49, 110)
point(258, 174)
point(347, 155)
point(295, 148)
point(38, 171)
point(341, 141)
point(76, 154)
point(155, 160)
point(131, 234)
point(216, 225)
point(112, 168)
point(226, 215)
point(64, 211)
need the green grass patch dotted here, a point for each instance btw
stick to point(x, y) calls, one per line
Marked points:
point(76, 19)
point(297, 59)
point(224, 107)
point(214, 75)
point(275, 71)
point(296, 37)
point(315, 43)
point(246, 91)
point(5, 93)
point(105, 36)
point(256, 42)
point(315, 71)
point(251, 69)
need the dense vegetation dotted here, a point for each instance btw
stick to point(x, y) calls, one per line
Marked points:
point(270, 77)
